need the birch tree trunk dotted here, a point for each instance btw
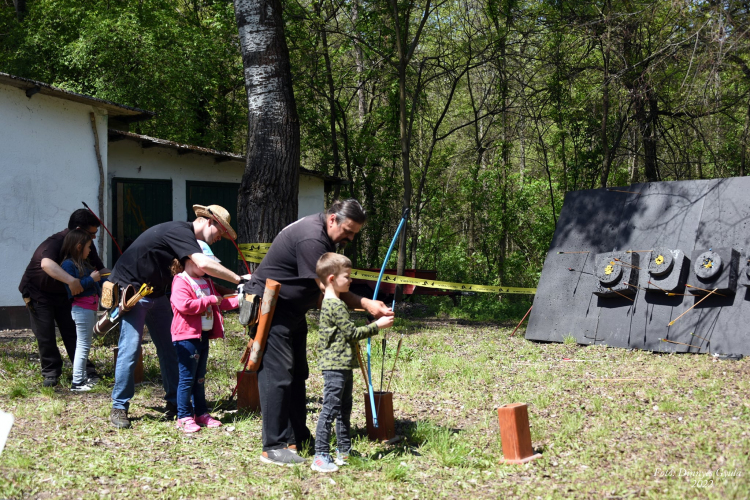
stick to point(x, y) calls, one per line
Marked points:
point(267, 200)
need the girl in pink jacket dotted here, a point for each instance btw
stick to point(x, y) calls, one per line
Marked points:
point(197, 318)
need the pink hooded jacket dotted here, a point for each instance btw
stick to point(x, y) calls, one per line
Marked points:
point(188, 309)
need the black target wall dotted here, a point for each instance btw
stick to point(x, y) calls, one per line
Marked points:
point(684, 215)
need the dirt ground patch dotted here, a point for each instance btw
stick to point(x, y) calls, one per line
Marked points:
point(9, 335)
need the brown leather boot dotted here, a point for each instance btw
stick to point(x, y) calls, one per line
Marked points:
point(119, 418)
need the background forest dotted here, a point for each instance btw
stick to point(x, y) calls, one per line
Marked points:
point(479, 114)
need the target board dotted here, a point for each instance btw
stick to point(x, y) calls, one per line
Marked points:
point(625, 263)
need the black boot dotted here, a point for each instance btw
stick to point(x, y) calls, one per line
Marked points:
point(171, 411)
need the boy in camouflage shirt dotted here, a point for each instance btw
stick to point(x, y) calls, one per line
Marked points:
point(337, 338)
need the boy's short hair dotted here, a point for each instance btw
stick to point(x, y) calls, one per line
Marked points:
point(331, 263)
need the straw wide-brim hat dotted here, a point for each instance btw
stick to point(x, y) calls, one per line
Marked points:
point(217, 213)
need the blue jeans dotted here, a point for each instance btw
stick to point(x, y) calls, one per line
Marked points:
point(193, 357)
point(337, 405)
point(85, 320)
point(157, 315)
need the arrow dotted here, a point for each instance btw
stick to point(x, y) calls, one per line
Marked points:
point(681, 343)
point(694, 335)
point(636, 286)
point(683, 314)
point(704, 290)
point(626, 264)
point(657, 286)
point(618, 293)
point(398, 350)
point(105, 227)
point(619, 191)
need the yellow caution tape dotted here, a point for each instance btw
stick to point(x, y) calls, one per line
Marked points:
point(445, 285)
point(255, 247)
point(254, 252)
point(253, 256)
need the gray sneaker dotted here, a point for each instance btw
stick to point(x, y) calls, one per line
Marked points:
point(281, 457)
point(119, 418)
point(323, 463)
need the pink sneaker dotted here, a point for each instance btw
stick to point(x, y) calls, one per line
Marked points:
point(187, 425)
point(207, 420)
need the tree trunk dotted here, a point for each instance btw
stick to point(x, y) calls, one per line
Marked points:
point(650, 166)
point(20, 6)
point(743, 152)
point(604, 46)
point(605, 117)
point(267, 201)
point(360, 61)
point(331, 102)
point(406, 169)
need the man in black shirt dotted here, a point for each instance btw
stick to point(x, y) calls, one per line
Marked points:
point(43, 290)
point(283, 370)
point(148, 260)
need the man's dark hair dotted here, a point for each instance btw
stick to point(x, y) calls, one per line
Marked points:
point(347, 209)
point(82, 218)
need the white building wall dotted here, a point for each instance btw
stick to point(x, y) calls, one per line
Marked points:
point(127, 159)
point(48, 168)
point(312, 196)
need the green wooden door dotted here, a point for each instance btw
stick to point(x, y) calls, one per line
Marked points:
point(217, 193)
point(137, 205)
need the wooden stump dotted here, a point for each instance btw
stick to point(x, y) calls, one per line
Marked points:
point(515, 433)
point(247, 391)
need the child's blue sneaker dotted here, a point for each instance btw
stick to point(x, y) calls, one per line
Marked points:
point(323, 463)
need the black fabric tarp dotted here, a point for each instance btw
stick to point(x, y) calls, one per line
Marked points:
point(684, 215)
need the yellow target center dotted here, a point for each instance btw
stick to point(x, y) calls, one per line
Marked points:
point(608, 270)
point(708, 264)
point(659, 260)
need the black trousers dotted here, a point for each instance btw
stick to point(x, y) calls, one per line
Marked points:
point(57, 309)
point(281, 382)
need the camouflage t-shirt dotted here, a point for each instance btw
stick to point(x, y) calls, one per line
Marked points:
point(337, 336)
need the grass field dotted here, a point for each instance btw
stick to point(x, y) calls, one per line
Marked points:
point(610, 423)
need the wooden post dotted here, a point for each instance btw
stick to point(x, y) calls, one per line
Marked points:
point(102, 178)
point(138, 372)
point(515, 433)
point(386, 428)
point(247, 391)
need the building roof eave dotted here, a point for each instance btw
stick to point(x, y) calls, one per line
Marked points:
point(218, 156)
point(31, 87)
